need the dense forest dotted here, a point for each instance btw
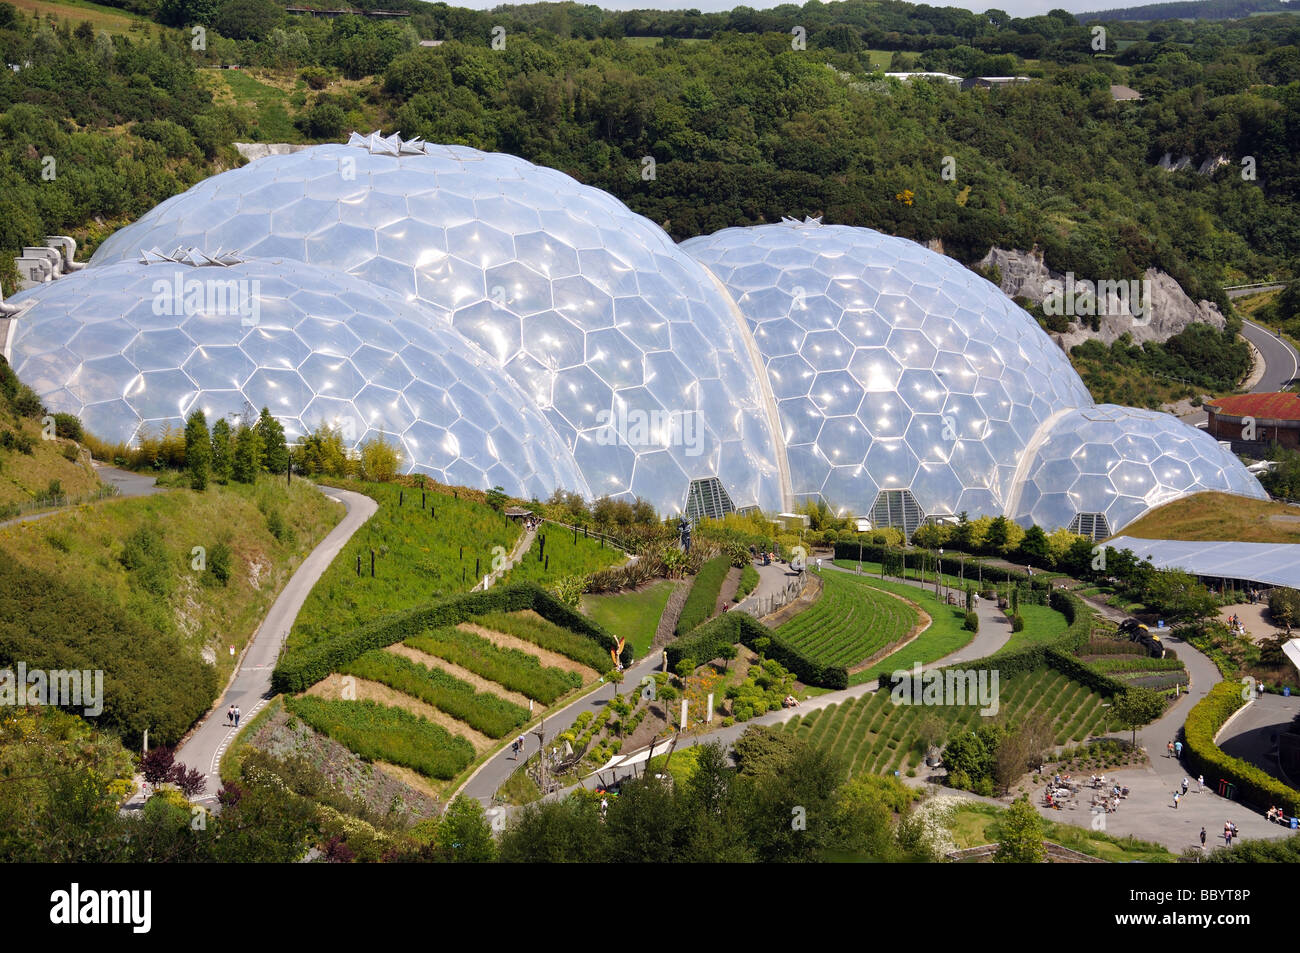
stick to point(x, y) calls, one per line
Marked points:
point(743, 120)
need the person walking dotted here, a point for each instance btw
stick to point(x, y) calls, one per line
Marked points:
point(236, 716)
point(1200, 783)
point(514, 748)
point(1186, 783)
point(1176, 797)
point(230, 715)
point(1178, 750)
point(1202, 838)
point(1170, 748)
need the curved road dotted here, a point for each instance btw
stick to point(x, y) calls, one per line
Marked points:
point(251, 687)
point(1281, 363)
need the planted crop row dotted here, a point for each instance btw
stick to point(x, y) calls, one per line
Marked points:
point(703, 597)
point(482, 711)
point(871, 734)
point(517, 671)
point(555, 554)
point(549, 636)
point(850, 622)
point(379, 733)
point(1136, 663)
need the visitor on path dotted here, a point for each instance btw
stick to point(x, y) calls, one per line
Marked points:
point(1202, 838)
point(1178, 749)
point(230, 715)
point(1177, 796)
point(1227, 833)
point(514, 748)
point(1200, 783)
point(236, 716)
point(1170, 748)
point(1186, 783)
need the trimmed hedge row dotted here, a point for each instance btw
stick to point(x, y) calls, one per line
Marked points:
point(299, 671)
point(703, 598)
point(1205, 757)
point(876, 553)
point(705, 643)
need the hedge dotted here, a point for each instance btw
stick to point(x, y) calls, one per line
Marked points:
point(1204, 721)
point(299, 671)
point(703, 598)
point(876, 552)
point(705, 643)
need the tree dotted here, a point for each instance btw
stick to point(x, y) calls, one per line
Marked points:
point(247, 19)
point(555, 832)
point(380, 460)
point(275, 453)
point(322, 451)
point(1136, 707)
point(247, 460)
point(641, 822)
point(1021, 841)
point(464, 834)
point(198, 450)
point(222, 453)
point(727, 653)
point(1035, 548)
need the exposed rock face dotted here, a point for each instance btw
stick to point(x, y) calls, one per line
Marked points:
point(259, 150)
point(1162, 308)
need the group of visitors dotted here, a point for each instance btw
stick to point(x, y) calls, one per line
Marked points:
point(1175, 749)
point(1278, 815)
point(232, 715)
point(517, 746)
point(1236, 625)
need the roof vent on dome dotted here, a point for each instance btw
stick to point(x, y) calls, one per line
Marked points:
point(393, 145)
point(193, 257)
point(808, 221)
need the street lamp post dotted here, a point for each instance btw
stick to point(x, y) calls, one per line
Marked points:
point(938, 575)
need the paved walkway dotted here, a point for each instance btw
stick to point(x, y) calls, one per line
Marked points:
point(128, 485)
point(250, 688)
point(1254, 618)
point(1252, 735)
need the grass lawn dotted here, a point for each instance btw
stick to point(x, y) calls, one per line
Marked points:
point(565, 554)
point(109, 19)
point(86, 543)
point(1042, 624)
point(976, 824)
point(631, 615)
point(421, 554)
point(1219, 516)
point(270, 105)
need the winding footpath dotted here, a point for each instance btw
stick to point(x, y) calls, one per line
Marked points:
point(250, 687)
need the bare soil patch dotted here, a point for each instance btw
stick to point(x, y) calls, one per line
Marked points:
point(545, 656)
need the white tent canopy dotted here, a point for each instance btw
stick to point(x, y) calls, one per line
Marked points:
point(1275, 564)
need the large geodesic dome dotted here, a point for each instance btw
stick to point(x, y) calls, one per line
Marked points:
point(1102, 467)
point(630, 349)
point(908, 386)
point(144, 344)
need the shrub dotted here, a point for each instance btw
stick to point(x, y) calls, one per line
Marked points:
point(219, 563)
point(1017, 622)
point(972, 623)
point(379, 733)
point(68, 427)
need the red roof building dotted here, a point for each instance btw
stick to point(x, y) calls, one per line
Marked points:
point(1256, 418)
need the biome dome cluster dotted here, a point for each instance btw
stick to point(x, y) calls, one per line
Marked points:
point(514, 327)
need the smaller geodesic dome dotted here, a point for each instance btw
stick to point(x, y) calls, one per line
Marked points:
point(1102, 467)
point(144, 343)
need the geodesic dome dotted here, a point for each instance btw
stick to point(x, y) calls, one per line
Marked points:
point(1102, 467)
point(902, 379)
point(627, 346)
point(138, 344)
